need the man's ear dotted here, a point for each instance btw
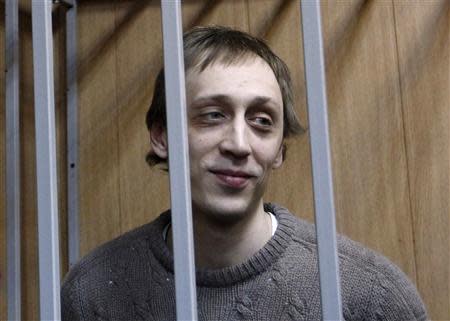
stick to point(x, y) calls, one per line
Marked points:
point(279, 158)
point(158, 141)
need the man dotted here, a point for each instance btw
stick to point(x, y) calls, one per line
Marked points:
point(255, 261)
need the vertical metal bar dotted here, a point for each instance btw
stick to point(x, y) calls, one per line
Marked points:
point(321, 160)
point(72, 134)
point(180, 188)
point(49, 271)
point(12, 158)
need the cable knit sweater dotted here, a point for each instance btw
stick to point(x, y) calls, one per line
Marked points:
point(131, 278)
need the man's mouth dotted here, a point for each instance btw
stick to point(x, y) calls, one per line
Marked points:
point(231, 178)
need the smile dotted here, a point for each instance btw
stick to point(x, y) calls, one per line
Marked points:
point(233, 179)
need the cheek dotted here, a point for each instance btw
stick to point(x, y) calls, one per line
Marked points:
point(198, 147)
point(268, 153)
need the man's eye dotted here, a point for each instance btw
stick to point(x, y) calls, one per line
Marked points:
point(212, 116)
point(263, 122)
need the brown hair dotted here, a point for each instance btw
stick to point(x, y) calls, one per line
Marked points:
point(205, 45)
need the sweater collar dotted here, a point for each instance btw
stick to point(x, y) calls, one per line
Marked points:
point(256, 264)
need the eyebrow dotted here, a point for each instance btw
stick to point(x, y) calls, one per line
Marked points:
point(227, 100)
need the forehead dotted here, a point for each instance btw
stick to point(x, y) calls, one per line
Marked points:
point(243, 79)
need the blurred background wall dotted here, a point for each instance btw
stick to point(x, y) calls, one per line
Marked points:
point(388, 93)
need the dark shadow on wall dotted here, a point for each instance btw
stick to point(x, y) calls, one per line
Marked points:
point(435, 32)
point(343, 39)
point(267, 27)
point(203, 13)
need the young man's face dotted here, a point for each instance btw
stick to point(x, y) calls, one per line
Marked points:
point(235, 116)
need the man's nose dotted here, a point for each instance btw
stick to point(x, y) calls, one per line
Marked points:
point(236, 140)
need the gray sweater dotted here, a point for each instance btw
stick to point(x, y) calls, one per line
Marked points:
point(131, 278)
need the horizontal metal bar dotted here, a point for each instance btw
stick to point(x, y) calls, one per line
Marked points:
point(180, 187)
point(321, 160)
point(48, 229)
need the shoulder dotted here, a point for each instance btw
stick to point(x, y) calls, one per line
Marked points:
point(118, 248)
point(372, 286)
point(110, 263)
point(379, 288)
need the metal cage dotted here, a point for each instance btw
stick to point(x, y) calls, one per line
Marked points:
point(48, 228)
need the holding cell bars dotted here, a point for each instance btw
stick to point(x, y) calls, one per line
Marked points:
point(172, 40)
point(180, 188)
point(12, 158)
point(48, 226)
point(231, 139)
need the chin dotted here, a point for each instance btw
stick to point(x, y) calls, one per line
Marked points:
point(224, 211)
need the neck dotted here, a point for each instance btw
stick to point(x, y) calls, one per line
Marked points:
point(219, 245)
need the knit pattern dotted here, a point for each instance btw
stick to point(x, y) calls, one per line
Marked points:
point(131, 278)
